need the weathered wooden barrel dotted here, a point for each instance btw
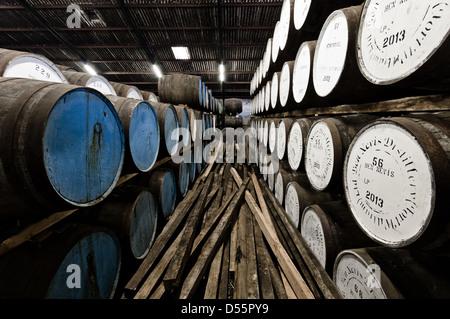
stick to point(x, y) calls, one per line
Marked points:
point(168, 128)
point(265, 131)
point(273, 130)
point(132, 212)
point(193, 173)
point(288, 36)
point(183, 124)
point(262, 99)
point(296, 142)
point(336, 75)
point(182, 89)
point(405, 45)
point(75, 262)
point(328, 228)
point(125, 90)
point(396, 175)
point(62, 145)
point(67, 68)
point(282, 179)
point(233, 106)
point(96, 82)
point(327, 143)
point(268, 66)
point(141, 130)
point(386, 273)
point(284, 126)
point(275, 43)
point(181, 174)
point(310, 15)
point(285, 90)
point(149, 96)
point(233, 121)
point(298, 196)
point(161, 182)
point(27, 65)
point(302, 85)
point(193, 124)
point(267, 99)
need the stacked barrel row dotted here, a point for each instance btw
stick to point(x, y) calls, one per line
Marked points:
point(68, 138)
point(366, 191)
point(356, 55)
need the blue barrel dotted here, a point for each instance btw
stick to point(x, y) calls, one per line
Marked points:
point(61, 145)
point(181, 172)
point(141, 129)
point(162, 184)
point(132, 212)
point(205, 97)
point(77, 261)
point(168, 128)
point(184, 125)
point(192, 169)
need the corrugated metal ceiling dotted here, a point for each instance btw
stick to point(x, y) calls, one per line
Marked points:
point(120, 51)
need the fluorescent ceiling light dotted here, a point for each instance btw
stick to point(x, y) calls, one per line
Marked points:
point(90, 69)
point(157, 71)
point(221, 72)
point(181, 53)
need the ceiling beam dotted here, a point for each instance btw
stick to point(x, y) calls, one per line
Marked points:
point(163, 60)
point(193, 72)
point(90, 29)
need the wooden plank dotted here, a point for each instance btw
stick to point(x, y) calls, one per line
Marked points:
point(32, 230)
point(198, 270)
point(163, 239)
point(240, 274)
point(287, 242)
point(224, 271)
point(159, 292)
point(212, 283)
point(289, 291)
point(252, 267)
point(262, 257)
point(323, 280)
point(158, 271)
point(176, 267)
point(426, 103)
point(295, 279)
point(277, 282)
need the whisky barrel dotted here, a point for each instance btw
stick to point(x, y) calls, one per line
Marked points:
point(233, 121)
point(275, 43)
point(96, 82)
point(284, 127)
point(168, 128)
point(303, 90)
point(285, 90)
point(296, 142)
point(327, 143)
point(183, 124)
point(233, 106)
point(328, 228)
point(282, 179)
point(132, 213)
point(181, 174)
point(67, 68)
point(386, 273)
point(182, 89)
point(272, 140)
point(141, 130)
point(298, 196)
point(267, 99)
point(193, 173)
point(288, 36)
point(76, 262)
point(274, 92)
point(310, 15)
point(336, 75)
point(27, 65)
point(405, 45)
point(62, 145)
point(265, 132)
point(193, 123)
point(149, 96)
point(162, 184)
point(268, 66)
point(396, 175)
point(125, 90)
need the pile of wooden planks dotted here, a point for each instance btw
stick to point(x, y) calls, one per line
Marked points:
point(229, 239)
